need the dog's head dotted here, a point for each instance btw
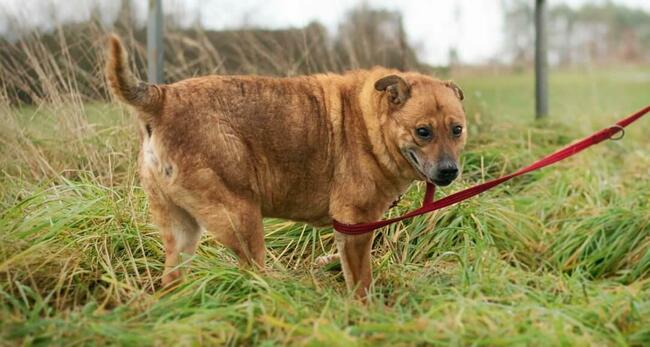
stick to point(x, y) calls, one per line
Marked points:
point(424, 122)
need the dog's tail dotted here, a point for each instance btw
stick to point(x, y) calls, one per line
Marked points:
point(125, 86)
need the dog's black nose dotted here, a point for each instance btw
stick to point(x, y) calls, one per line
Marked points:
point(447, 171)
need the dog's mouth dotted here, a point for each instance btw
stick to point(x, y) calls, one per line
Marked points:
point(442, 183)
point(413, 159)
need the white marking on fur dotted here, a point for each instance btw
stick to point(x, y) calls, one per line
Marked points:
point(150, 158)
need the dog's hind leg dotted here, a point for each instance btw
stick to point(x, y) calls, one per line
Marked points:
point(180, 235)
point(238, 226)
point(324, 260)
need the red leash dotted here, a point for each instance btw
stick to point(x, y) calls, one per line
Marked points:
point(428, 205)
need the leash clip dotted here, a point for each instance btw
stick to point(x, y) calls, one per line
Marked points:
point(620, 131)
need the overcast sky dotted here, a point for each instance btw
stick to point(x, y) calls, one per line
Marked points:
point(473, 27)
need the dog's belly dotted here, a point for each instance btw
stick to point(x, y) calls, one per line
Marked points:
point(315, 211)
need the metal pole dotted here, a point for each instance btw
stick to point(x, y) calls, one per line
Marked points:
point(541, 62)
point(155, 42)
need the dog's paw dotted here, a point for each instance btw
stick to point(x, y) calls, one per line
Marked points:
point(326, 259)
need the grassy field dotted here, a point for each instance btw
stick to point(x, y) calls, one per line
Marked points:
point(558, 257)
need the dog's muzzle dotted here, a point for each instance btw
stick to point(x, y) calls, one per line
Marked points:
point(441, 174)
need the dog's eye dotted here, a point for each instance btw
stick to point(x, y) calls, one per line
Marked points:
point(457, 130)
point(423, 133)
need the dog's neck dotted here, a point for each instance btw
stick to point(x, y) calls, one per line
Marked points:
point(387, 154)
point(362, 112)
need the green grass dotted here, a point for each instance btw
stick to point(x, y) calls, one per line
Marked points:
point(558, 257)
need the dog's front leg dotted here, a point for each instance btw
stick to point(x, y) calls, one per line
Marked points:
point(354, 252)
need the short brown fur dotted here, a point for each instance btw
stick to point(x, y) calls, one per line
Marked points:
point(219, 153)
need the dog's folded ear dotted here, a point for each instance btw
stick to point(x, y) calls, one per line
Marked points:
point(398, 90)
point(459, 92)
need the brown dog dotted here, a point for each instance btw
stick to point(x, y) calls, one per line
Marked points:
point(219, 153)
